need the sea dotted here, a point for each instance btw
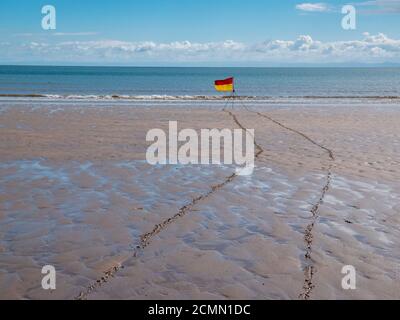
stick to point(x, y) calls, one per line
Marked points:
point(187, 83)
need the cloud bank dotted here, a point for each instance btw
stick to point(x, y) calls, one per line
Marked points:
point(377, 48)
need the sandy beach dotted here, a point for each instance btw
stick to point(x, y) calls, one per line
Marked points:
point(77, 193)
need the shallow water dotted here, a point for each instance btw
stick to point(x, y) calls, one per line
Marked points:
point(80, 202)
point(84, 213)
point(270, 82)
point(82, 216)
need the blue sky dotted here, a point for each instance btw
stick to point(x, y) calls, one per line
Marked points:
point(142, 32)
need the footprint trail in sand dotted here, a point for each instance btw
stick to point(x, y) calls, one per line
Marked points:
point(309, 269)
point(146, 238)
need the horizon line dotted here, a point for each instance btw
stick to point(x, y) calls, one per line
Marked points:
point(339, 65)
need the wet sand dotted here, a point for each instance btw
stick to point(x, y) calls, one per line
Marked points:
point(77, 193)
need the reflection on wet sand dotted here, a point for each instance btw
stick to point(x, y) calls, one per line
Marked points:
point(76, 193)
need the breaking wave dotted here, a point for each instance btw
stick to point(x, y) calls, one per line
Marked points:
point(181, 97)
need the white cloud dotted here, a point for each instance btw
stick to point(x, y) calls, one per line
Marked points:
point(370, 49)
point(23, 34)
point(58, 34)
point(74, 33)
point(380, 6)
point(313, 7)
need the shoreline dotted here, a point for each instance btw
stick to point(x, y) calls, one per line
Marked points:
point(75, 185)
point(188, 98)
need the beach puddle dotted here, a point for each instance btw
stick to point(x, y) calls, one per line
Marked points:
point(85, 217)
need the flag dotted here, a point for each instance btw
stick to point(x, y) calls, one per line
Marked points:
point(224, 85)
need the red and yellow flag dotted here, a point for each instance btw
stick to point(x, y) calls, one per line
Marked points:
point(224, 85)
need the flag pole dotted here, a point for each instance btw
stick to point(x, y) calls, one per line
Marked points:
point(233, 94)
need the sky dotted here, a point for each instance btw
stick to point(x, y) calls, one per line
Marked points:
point(193, 32)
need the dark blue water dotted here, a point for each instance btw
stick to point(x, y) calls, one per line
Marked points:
point(270, 82)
